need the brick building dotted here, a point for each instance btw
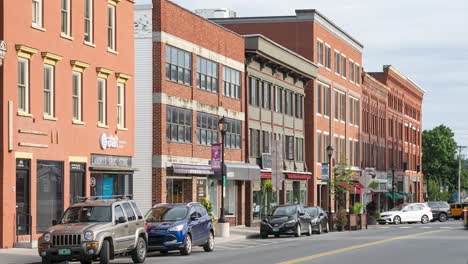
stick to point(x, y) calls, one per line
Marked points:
point(332, 112)
point(400, 126)
point(191, 74)
point(276, 83)
point(67, 109)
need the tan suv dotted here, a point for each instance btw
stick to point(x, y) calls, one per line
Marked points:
point(96, 229)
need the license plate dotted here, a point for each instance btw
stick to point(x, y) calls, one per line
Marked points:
point(64, 251)
point(275, 229)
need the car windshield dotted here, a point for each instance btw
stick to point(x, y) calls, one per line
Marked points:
point(167, 214)
point(398, 208)
point(284, 210)
point(312, 211)
point(87, 214)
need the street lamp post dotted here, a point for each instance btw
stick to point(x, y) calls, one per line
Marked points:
point(222, 123)
point(330, 150)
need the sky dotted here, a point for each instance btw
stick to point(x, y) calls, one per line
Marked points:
point(426, 40)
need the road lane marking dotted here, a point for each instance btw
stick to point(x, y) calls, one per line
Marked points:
point(446, 227)
point(341, 250)
point(405, 227)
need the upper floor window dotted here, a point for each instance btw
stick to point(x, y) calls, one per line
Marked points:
point(102, 94)
point(88, 21)
point(343, 66)
point(337, 62)
point(299, 149)
point(319, 98)
point(266, 95)
point(231, 83)
point(351, 71)
point(178, 125)
point(343, 107)
point(48, 90)
point(111, 27)
point(356, 112)
point(358, 74)
point(178, 65)
point(319, 147)
point(288, 103)
point(254, 143)
point(319, 52)
point(66, 17)
point(233, 134)
point(278, 99)
point(76, 96)
point(299, 105)
point(23, 85)
point(327, 57)
point(120, 105)
point(289, 147)
point(37, 13)
point(266, 138)
point(207, 75)
point(254, 87)
point(327, 101)
point(336, 98)
point(207, 129)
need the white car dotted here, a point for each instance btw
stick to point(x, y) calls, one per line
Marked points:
point(407, 213)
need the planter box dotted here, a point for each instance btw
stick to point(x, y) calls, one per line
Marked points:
point(363, 221)
point(352, 221)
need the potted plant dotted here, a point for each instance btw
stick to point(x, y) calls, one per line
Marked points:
point(362, 221)
point(340, 183)
point(209, 208)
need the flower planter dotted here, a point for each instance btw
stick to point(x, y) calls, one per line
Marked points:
point(352, 221)
point(363, 221)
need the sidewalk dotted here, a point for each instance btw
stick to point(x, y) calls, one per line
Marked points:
point(19, 251)
point(240, 233)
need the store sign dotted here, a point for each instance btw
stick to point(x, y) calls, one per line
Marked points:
point(77, 167)
point(216, 157)
point(108, 142)
point(106, 161)
point(3, 50)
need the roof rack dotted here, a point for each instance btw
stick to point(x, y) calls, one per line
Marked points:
point(106, 197)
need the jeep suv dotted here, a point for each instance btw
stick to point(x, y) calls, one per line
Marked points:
point(96, 229)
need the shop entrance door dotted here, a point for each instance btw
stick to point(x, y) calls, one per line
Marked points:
point(178, 191)
point(77, 181)
point(22, 197)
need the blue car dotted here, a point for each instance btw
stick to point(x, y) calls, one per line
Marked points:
point(179, 227)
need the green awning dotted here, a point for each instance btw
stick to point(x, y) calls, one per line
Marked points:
point(408, 195)
point(397, 195)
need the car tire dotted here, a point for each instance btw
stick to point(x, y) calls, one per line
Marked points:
point(209, 246)
point(187, 249)
point(264, 236)
point(424, 219)
point(327, 228)
point(309, 232)
point(298, 232)
point(104, 255)
point(397, 220)
point(139, 253)
point(319, 231)
point(442, 217)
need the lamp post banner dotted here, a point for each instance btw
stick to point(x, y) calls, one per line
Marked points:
point(216, 157)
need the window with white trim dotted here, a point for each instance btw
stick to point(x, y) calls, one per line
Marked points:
point(254, 143)
point(178, 124)
point(48, 90)
point(23, 85)
point(319, 147)
point(337, 101)
point(76, 96)
point(299, 106)
point(319, 98)
point(111, 27)
point(299, 149)
point(207, 75)
point(351, 71)
point(102, 101)
point(37, 13)
point(120, 105)
point(278, 99)
point(358, 74)
point(88, 21)
point(178, 65)
point(66, 17)
point(327, 57)
point(254, 92)
point(337, 62)
point(326, 143)
point(233, 134)
point(342, 149)
point(207, 129)
point(327, 101)
point(319, 52)
point(289, 147)
point(266, 138)
point(343, 107)
point(231, 82)
point(266, 95)
point(343, 66)
point(356, 113)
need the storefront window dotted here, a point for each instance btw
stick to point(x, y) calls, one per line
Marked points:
point(174, 190)
point(230, 198)
point(111, 184)
point(201, 189)
point(49, 193)
point(264, 198)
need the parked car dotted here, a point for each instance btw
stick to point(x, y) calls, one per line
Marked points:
point(318, 219)
point(179, 227)
point(465, 217)
point(96, 230)
point(456, 209)
point(440, 211)
point(286, 220)
point(407, 213)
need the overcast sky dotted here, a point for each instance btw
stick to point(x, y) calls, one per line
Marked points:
point(427, 40)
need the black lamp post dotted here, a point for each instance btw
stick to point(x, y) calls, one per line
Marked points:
point(222, 123)
point(330, 150)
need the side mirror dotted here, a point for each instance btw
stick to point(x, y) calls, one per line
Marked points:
point(54, 222)
point(404, 210)
point(121, 220)
point(140, 217)
point(321, 214)
point(194, 217)
point(301, 213)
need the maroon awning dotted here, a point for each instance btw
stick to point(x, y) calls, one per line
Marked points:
point(297, 176)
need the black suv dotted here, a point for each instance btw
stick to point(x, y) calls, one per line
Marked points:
point(440, 211)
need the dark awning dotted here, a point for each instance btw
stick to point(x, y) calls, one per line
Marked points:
point(391, 195)
point(192, 169)
point(242, 171)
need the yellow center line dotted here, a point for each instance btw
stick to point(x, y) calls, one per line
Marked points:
point(341, 250)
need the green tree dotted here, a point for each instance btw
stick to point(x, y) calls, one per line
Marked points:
point(439, 159)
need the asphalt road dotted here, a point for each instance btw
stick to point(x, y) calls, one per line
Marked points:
point(433, 243)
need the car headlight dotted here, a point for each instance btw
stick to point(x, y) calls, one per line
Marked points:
point(291, 222)
point(176, 228)
point(47, 237)
point(88, 235)
point(314, 221)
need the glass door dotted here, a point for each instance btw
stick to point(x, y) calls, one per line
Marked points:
point(22, 197)
point(49, 193)
point(77, 181)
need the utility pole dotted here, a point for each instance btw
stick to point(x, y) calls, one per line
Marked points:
point(460, 149)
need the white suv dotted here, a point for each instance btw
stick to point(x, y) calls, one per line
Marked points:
point(409, 213)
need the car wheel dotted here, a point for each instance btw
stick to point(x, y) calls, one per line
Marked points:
point(298, 231)
point(104, 255)
point(319, 228)
point(309, 232)
point(187, 249)
point(442, 217)
point(264, 236)
point(397, 220)
point(139, 253)
point(424, 219)
point(209, 246)
point(327, 228)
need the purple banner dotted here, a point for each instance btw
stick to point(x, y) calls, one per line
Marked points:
point(216, 157)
